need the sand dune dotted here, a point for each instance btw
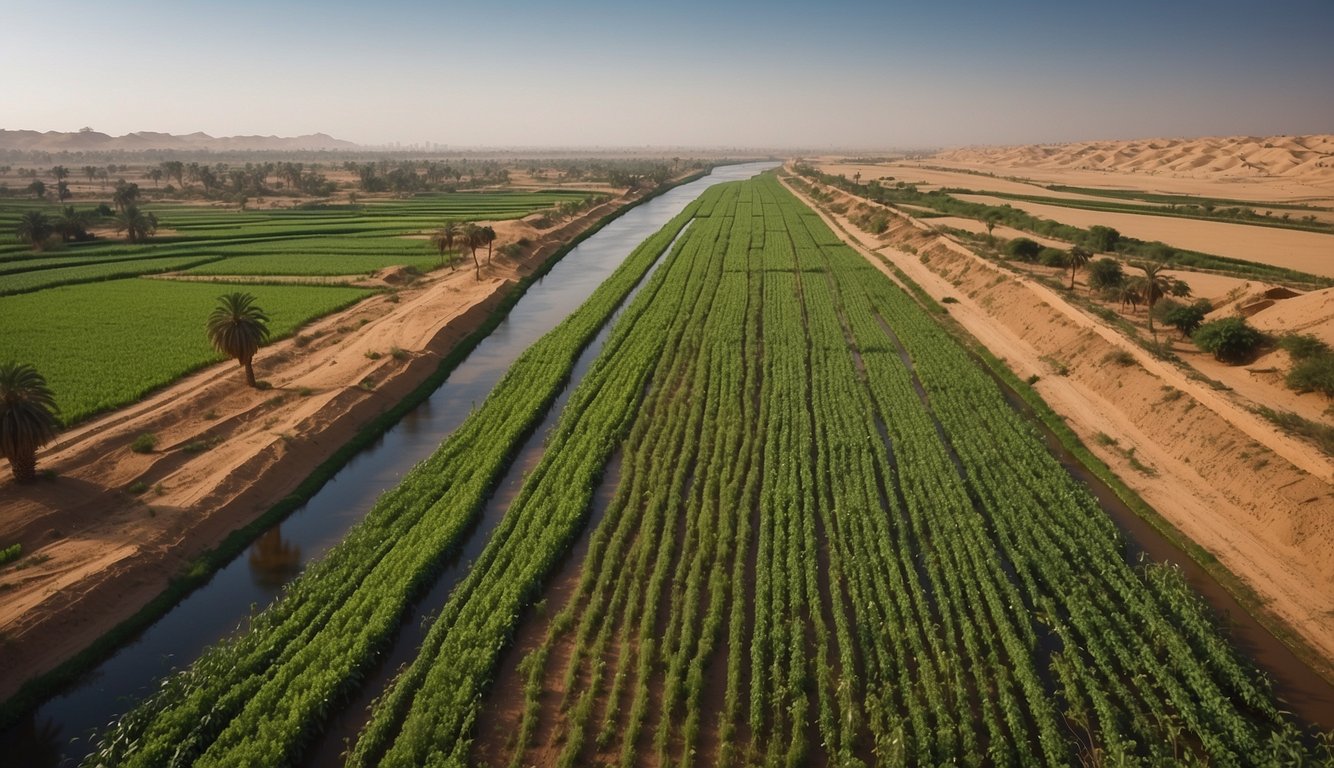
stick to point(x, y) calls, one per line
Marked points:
point(1305, 157)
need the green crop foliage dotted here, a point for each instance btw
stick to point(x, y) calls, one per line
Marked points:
point(103, 345)
point(830, 540)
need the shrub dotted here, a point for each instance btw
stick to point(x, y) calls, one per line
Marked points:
point(1053, 257)
point(1231, 339)
point(1314, 374)
point(144, 443)
point(1120, 357)
point(1105, 274)
point(1186, 318)
point(10, 554)
point(1302, 346)
point(1023, 249)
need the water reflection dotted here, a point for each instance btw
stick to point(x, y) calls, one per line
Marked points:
point(273, 559)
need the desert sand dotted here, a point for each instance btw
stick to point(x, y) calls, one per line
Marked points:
point(1258, 499)
point(104, 553)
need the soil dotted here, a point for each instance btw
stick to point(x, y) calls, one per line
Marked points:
point(95, 551)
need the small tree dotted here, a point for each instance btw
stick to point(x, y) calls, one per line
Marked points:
point(991, 219)
point(1187, 318)
point(137, 225)
point(1105, 274)
point(1023, 249)
point(27, 418)
point(488, 236)
point(1230, 340)
point(237, 328)
point(1053, 257)
point(444, 238)
point(34, 229)
point(1077, 259)
point(1155, 284)
point(1102, 239)
point(38, 189)
point(472, 237)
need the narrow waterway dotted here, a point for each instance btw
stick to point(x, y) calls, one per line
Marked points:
point(59, 732)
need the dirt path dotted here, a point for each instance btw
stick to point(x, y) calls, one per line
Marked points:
point(1256, 498)
point(111, 530)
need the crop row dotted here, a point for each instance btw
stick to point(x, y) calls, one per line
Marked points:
point(830, 510)
point(257, 698)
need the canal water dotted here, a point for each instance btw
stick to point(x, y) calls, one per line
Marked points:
point(60, 731)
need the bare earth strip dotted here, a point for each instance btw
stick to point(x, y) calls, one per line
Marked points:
point(1311, 252)
point(104, 553)
point(1267, 521)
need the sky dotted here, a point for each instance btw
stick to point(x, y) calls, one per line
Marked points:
point(837, 74)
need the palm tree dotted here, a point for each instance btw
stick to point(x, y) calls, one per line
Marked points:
point(1128, 293)
point(445, 237)
point(1153, 285)
point(991, 220)
point(1078, 257)
point(137, 225)
point(488, 236)
point(125, 195)
point(34, 228)
point(27, 418)
point(472, 238)
point(72, 224)
point(237, 328)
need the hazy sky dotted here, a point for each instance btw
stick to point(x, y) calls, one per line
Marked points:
point(763, 73)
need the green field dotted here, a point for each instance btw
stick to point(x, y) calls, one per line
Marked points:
point(107, 344)
point(831, 541)
point(328, 240)
point(103, 340)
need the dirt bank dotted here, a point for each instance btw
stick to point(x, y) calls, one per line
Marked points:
point(106, 535)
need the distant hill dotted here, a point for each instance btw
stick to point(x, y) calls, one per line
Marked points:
point(95, 141)
point(1207, 158)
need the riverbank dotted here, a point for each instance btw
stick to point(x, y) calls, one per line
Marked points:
point(115, 537)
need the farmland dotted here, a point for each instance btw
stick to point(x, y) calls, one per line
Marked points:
point(333, 239)
point(830, 540)
point(105, 344)
point(104, 339)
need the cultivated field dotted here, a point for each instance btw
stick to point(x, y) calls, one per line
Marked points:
point(831, 540)
point(104, 340)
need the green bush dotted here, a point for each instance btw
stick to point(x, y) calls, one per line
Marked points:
point(1302, 346)
point(1105, 274)
point(10, 553)
point(144, 443)
point(1053, 257)
point(1314, 374)
point(1231, 339)
point(1023, 249)
point(1186, 318)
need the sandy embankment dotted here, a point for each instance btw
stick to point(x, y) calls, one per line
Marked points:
point(1258, 499)
point(226, 453)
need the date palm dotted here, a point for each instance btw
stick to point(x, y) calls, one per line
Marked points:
point(472, 237)
point(445, 237)
point(27, 418)
point(34, 228)
point(1153, 285)
point(137, 225)
point(487, 235)
point(1078, 258)
point(237, 328)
